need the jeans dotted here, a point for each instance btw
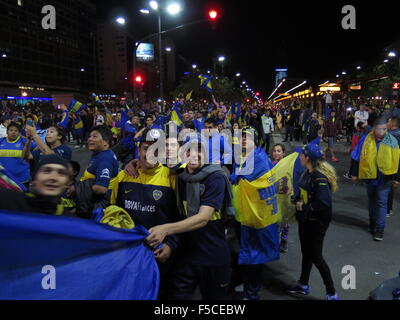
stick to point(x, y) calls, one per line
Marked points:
point(267, 142)
point(378, 204)
point(390, 199)
point(312, 234)
point(252, 281)
point(289, 132)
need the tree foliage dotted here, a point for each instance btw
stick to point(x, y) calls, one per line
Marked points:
point(223, 89)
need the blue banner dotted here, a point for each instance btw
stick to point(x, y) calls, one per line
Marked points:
point(62, 258)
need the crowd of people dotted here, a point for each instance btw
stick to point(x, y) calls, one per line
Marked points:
point(187, 202)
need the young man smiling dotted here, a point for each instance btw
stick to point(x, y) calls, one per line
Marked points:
point(50, 180)
point(204, 260)
point(103, 168)
point(149, 198)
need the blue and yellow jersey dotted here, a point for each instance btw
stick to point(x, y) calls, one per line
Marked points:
point(63, 151)
point(11, 158)
point(103, 168)
point(149, 199)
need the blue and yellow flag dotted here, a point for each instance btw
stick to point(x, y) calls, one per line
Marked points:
point(96, 98)
point(176, 116)
point(7, 181)
point(61, 258)
point(238, 110)
point(76, 106)
point(189, 95)
point(256, 208)
point(206, 82)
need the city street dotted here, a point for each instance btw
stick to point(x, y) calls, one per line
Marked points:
point(347, 243)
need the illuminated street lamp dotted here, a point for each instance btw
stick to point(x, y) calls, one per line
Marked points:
point(168, 49)
point(121, 21)
point(386, 61)
point(154, 5)
point(145, 11)
point(392, 54)
point(238, 74)
point(174, 8)
point(194, 66)
point(221, 59)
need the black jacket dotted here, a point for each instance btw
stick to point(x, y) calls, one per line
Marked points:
point(319, 198)
point(30, 203)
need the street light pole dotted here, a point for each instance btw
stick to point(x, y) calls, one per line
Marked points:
point(161, 58)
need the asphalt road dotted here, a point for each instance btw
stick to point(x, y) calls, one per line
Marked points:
point(347, 243)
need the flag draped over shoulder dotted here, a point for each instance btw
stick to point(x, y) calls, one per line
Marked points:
point(176, 116)
point(76, 106)
point(206, 82)
point(256, 208)
point(62, 258)
point(386, 159)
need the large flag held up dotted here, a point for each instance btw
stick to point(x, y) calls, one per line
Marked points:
point(61, 258)
point(206, 82)
point(176, 116)
point(76, 106)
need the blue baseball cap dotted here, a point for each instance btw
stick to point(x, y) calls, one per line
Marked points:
point(313, 151)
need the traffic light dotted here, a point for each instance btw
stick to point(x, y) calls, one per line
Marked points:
point(138, 79)
point(257, 94)
point(213, 14)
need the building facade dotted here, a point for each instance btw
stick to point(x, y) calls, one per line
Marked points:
point(114, 60)
point(43, 62)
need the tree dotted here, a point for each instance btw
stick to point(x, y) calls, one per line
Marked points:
point(223, 89)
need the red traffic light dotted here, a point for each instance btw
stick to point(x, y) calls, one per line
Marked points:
point(247, 100)
point(213, 14)
point(138, 79)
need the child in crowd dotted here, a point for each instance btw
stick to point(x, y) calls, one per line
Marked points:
point(285, 207)
point(358, 134)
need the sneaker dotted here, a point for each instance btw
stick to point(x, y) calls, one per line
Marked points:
point(378, 235)
point(335, 160)
point(239, 289)
point(284, 246)
point(332, 297)
point(347, 176)
point(389, 214)
point(297, 287)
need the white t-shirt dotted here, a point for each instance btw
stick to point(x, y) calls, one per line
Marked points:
point(268, 124)
point(328, 98)
point(3, 131)
point(361, 116)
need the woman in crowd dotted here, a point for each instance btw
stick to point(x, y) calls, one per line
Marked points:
point(314, 214)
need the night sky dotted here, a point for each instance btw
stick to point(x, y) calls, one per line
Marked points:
point(259, 36)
